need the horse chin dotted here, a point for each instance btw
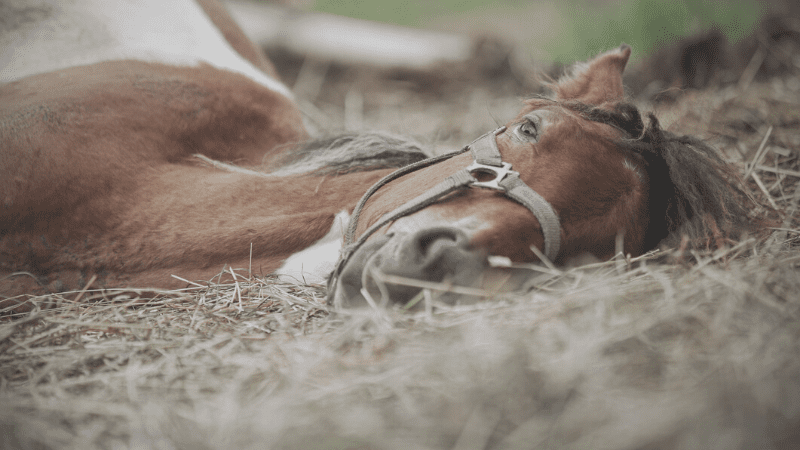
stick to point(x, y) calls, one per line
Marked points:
point(393, 269)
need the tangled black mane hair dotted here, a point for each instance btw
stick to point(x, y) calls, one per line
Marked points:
point(352, 152)
point(694, 194)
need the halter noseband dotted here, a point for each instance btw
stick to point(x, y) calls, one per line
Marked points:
point(486, 160)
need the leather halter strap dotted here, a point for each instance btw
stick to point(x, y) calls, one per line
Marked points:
point(487, 160)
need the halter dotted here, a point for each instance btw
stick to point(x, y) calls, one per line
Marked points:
point(487, 161)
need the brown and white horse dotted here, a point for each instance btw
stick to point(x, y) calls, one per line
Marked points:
point(104, 106)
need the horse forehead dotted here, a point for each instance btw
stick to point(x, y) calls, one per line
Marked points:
point(541, 104)
point(560, 113)
point(564, 128)
point(50, 35)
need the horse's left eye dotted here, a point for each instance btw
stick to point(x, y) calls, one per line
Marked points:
point(528, 130)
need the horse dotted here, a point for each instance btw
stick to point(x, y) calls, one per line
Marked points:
point(149, 143)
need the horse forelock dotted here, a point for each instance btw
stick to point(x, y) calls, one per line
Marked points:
point(693, 191)
point(352, 152)
point(623, 116)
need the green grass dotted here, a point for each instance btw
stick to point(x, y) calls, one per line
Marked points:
point(648, 24)
point(584, 27)
point(411, 13)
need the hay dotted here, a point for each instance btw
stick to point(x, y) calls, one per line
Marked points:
point(669, 350)
point(606, 356)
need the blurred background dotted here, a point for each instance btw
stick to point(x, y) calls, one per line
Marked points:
point(447, 71)
point(562, 31)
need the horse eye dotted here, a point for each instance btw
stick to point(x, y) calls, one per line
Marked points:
point(527, 130)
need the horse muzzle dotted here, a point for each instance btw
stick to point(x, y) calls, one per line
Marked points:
point(392, 268)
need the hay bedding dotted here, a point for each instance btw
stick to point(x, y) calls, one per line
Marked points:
point(669, 350)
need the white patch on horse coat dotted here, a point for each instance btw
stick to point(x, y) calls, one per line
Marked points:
point(314, 264)
point(50, 35)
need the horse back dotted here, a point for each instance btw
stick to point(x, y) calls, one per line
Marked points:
point(39, 36)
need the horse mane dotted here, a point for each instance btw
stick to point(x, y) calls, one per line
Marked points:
point(694, 194)
point(709, 203)
point(351, 152)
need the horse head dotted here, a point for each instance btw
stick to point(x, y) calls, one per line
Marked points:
point(587, 172)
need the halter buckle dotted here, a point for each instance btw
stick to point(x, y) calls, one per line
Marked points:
point(499, 173)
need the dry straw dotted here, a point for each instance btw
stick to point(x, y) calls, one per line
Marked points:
point(668, 350)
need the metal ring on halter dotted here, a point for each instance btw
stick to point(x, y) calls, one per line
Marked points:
point(499, 174)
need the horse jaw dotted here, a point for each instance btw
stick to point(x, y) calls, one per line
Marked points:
point(596, 81)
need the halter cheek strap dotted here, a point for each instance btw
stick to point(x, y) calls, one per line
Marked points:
point(487, 160)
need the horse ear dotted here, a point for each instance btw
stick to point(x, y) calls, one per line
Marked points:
point(597, 81)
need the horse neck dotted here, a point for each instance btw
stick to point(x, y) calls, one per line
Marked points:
point(186, 221)
point(286, 213)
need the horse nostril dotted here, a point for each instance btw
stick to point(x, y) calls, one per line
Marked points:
point(430, 240)
point(441, 254)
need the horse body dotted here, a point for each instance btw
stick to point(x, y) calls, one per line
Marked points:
point(105, 105)
point(97, 162)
